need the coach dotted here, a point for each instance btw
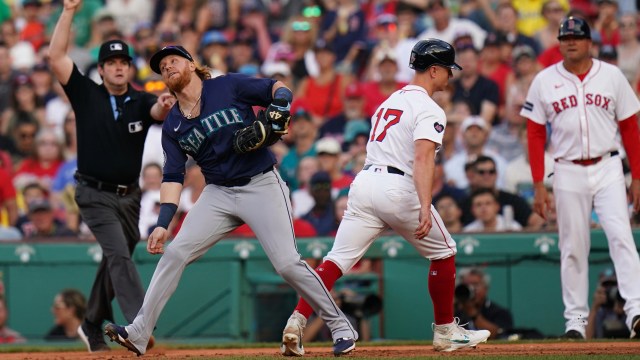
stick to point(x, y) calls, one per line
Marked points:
point(112, 123)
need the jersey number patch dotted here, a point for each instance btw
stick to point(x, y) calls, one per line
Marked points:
point(391, 116)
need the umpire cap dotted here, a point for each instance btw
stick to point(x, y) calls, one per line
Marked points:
point(574, 26)
point(429, 52)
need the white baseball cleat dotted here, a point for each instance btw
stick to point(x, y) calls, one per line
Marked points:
point(450, 337)
point(292, 335)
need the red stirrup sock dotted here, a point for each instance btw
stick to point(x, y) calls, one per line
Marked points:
point(329, 272)
point(442, 281)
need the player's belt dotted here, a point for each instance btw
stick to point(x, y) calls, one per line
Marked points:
point(92, 182)
point(592, 161)
point(242, 181)
point(389, 169)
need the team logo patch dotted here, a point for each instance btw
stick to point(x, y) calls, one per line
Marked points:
point(115, 47)
point(135, 127)
point(439, 127)
point(528, 106)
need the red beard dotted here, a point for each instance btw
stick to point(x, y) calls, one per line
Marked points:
point(177, 84)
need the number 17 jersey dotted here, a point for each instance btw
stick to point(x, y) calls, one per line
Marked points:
point(409, 114)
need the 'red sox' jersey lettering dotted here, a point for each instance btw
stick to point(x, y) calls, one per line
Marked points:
point(590, 99)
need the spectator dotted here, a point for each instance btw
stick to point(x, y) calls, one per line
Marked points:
point(242, 52)
point(393, 43)
point(151, 181)
point(322, 215)
point(629, 48)
point(474, 307)
point(475, 132)
point(353, 115)
point(24, 104)
point(22, 53)
point(446, 27)
point(345, 29)
point(329, 151)
point(33, 30)
point(507, 24)
point(493, 67)
point(301, 198)
point(484, 176)
point(68, 310)
point(481, 93)
point(385, 69)
point(606, 316)
point(42, 80)
point(450, 213)
point(296, 47)
point(608, 54)
point(7, 335)
point(303, 134)
point(63, 187)
point(532, 15)
point(517, 177)
point(214, 51)
point(504, 139)
point(44, 164)
point(322, 94)
point(128, 13)
point(8, 202)
point(607, 22)
point(30, 193)
point(43, 223)
point(553, 12)
point(279, 71)
point(485, 208)
point(440, 187)
point(7, 75)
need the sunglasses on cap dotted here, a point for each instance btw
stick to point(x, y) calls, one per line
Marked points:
point(301, 26)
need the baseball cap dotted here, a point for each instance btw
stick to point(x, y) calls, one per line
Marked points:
point(328, 145)
point(322, 44)
point(386, 55)
point(474, 121)
point(113, 48)
point(154, 63)
point(272, 68)
point(320, 177)
point(386, 19)
point(213, 37)
point(523, 50)
point(22, 79)
point(493, 39)
point(463, 42)
point(353, 128)
point(608, 52)
point(39, 205)
point(353, 90)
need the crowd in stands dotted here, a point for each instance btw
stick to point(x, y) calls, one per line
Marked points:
point(341, 58)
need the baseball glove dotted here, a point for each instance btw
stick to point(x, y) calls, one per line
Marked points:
point(266, 130)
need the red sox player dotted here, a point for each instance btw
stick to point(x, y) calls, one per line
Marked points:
point(585, 102)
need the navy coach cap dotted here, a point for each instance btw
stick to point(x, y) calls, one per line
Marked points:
point(166, 51)
point(113, 48)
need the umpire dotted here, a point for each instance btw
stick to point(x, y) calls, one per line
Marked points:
point(112, 123)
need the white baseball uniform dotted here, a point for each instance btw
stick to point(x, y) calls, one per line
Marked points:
point(584, 116)
point(383, 194)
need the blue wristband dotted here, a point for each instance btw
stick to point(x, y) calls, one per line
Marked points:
point(283, 93)
point(167, 210)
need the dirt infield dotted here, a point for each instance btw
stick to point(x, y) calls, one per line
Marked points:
point(508, 349)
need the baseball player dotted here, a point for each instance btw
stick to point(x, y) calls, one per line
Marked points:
point(394, 191)
point(586, 101)
point(213, 122)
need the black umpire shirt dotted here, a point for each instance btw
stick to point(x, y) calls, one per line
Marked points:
point(111, 129)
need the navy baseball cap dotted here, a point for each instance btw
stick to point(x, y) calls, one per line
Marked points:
point(166, 51)
point(113, 48)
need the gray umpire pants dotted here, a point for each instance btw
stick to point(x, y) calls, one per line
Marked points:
point(113, 220)
point(264, 205)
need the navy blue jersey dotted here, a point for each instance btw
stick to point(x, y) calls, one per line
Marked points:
point(226, 106)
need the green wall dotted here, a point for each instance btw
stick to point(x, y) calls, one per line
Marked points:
point(231, 294)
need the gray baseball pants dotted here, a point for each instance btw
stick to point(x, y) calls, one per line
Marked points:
point(265, 206)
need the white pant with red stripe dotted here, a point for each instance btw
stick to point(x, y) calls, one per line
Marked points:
point(578, 189)
point(379, 200)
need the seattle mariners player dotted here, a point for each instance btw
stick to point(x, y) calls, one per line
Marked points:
point(394, 191)
point(214, 123)
point(586, 101)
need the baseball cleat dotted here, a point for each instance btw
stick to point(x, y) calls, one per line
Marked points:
point(635, 327)
point(119, 334)
point(572, 335)
point(92, 337)
point(343, 346)
point(450, 337)
point(292, 335)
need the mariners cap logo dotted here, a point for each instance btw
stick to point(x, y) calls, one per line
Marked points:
point(115, 47)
